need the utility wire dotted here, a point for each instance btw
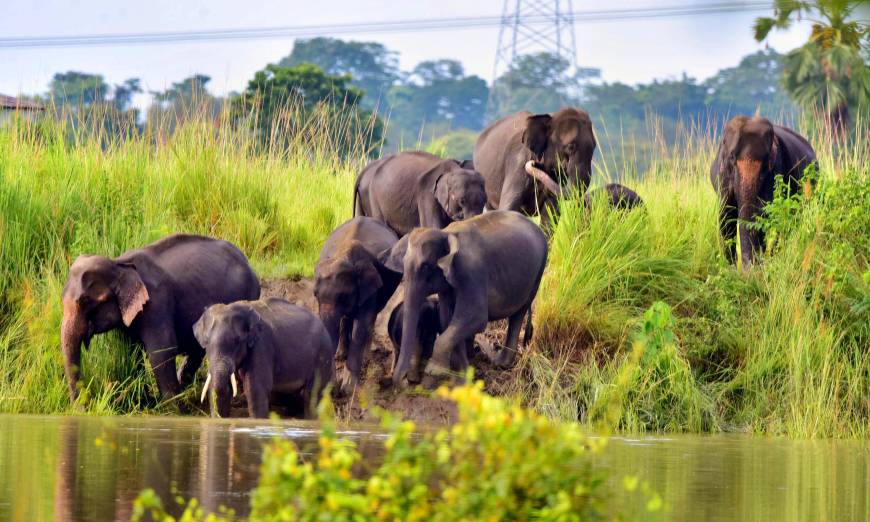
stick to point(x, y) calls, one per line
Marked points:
point(436, 24)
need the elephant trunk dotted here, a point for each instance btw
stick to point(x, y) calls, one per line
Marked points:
point(580, 173)
point(534, 171)
point(409, 355)
point(73, 332)
point(748, 206)
point(332, 321)
point(223, 387)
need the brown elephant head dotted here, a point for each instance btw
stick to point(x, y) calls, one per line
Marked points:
point(100, 294)
point(343, 283)
point(227, 333)
point(562, 145)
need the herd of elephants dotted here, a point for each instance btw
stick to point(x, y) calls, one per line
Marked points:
point(453, 233)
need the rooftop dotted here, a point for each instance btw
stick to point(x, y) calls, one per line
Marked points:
point(12, 103)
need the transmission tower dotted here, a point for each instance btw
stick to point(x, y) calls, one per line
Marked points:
point(529, 26)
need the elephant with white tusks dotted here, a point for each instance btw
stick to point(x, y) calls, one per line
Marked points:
point(277, 348)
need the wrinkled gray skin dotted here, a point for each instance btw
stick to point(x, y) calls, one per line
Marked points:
point(483, 269)
point(276, 347)
point(352, 286)
point(561, 144)
point(617, 196)
point(752, 153)
point(413, 189)
point(154, 294)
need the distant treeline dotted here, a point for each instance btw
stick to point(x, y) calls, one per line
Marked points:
point(436, 105)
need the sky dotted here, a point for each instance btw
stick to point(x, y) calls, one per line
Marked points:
point(629, 51)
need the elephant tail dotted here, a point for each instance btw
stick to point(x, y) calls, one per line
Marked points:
point(353, 211)
point(527, 335)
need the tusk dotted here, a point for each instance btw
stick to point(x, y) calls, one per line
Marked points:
point(205, 388)
point(542, 176)
point(233, 382)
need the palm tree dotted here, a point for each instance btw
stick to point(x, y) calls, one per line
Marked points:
point(829, 71)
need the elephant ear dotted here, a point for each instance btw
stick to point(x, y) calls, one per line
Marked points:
point(774, 153)
point(252, 328)
point(368, 282)
point(447, 263)
point(131, 292)
point(394, 258)
point(203, 326)
point(537, 133)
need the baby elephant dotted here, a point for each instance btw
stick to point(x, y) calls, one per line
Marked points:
point(617, 196)
point(427, 330)
point(418, 189)
point(276, 348)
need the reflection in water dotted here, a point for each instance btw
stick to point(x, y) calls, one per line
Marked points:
point(87, 468)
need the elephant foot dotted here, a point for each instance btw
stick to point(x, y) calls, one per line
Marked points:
point(347, 382)
point(504, 359)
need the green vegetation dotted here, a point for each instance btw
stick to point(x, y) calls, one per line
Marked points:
point(489, 465)
point(781, 349)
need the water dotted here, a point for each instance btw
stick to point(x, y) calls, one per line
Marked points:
point(90, 468)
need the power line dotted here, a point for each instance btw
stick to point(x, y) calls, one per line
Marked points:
point(437, 24)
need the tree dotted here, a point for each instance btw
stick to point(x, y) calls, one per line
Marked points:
point(123, 93)
point(183, 101)
point(439, 93)
point(753, 84)
point(304, 102)
point(371, 66)
point(77, 89)
point(539, 82)
point(830, 70)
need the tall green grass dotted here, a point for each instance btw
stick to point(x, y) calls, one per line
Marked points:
point(67, 191)
point(784, 348)
point(781, 349)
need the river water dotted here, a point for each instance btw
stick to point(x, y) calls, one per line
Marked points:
point(92, 468)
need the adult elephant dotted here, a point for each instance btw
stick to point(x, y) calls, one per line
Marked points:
point(413, 189)
point(155, 294)
point(483, 269)
point(352, 286)
point(558, 146)
point(752, 153)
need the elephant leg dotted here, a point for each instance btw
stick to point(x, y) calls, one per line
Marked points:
point(161, 347)
point(728, 229)
point(257, 395)
point(507, 355)
point(359, 342)
point(189, 367)
point(512, 196)
point(453, 338)
point(459, 357)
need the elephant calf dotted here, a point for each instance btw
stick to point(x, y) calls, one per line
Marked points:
point(483, 269)
point(617, 196)
point(276, 347)
point(428, 328)
point(413, 189)
point(352, 286)
point(154, 294)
